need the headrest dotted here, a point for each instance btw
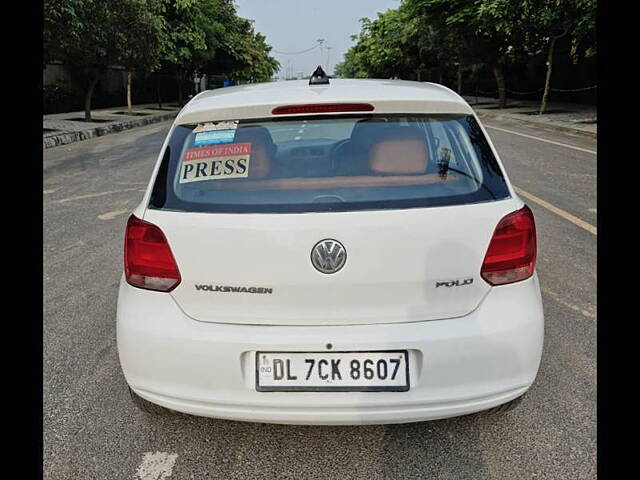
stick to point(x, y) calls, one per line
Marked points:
point(262, 149)
point(399, 151)
point(365, 130)
point(257, 136)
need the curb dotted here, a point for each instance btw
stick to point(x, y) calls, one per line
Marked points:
point(70, 137)
point(501, 116)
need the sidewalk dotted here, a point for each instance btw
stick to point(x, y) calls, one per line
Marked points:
point(571, 117)
point(63, 128)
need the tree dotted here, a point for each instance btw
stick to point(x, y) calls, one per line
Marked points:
point(207, 36)
point(139, 39)
point(79, 33)
point(489, 32)
point(553, 20)
point(400, 43)
point(187, 27)
point(252, 62)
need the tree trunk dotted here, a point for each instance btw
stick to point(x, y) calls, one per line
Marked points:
point(459, 80)
point(547, 81)
point(180, 91)
point(499, 76)
point(87, 99)
point(129, 107)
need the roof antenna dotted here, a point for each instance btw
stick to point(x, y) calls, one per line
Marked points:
point(319, 77)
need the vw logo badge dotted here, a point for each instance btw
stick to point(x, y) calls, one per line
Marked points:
point(328, 256)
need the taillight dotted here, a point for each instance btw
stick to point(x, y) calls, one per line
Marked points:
point(511, 255)
point(148, 261)
point(322, 108)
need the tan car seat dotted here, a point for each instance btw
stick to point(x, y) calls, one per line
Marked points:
point(262, 149)
point(399, 151)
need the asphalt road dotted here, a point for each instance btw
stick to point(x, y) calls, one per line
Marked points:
point(93, 430)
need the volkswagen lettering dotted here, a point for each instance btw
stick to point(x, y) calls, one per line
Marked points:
point(329, 251)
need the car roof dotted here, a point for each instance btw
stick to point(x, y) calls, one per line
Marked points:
point(258, 100)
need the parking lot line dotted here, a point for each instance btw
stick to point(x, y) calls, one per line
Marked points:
point(156, 466)
point(93, 195)
point(593, 152)
point(558, 211)
point(112, 215)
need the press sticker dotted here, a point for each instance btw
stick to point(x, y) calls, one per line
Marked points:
point(213, 137)
point(225, 125)
point(216, 162)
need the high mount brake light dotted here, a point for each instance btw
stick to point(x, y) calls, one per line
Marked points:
point(148, 261)
point(511, 256)
point(322, 108)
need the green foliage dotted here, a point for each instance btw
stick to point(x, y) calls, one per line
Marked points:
point(386, 47)
point(138, 39)
point(179, 37)
point(254, 64)
point(79, 33)
point(207, 36)
point(422, 38)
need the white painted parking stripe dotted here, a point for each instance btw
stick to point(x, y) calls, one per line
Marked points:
point(588, 313)
point(112, 215)
point(593, 152)
point(558, 211)
point(92, 195)
point(156, 466)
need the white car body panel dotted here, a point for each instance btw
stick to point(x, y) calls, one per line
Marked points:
point(458, 366)
point(257, 101)
point(470, 348)
point(394, 261)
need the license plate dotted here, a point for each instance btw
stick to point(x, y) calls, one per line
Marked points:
point(332, 371)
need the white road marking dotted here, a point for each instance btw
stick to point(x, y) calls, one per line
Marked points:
point(594, 152)
point(79, 243)
point(577, 308)
point(594, 210)
point(92, 195)
point(48, 191)
point(558, 211)
point(112, 215)
point(297, 138)
point(156, 466)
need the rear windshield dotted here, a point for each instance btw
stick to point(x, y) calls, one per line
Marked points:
point(319, 164)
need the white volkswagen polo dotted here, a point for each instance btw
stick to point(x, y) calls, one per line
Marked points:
point(329, 252)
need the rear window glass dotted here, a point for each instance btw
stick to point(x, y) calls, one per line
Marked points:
point(315, 164)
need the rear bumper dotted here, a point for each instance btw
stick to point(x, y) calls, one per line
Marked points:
point(457, 366)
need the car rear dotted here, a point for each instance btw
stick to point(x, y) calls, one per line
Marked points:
point(330, 263)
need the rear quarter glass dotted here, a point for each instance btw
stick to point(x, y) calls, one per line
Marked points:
point(327, 163)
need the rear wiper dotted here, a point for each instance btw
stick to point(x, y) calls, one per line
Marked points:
point(444, 169)
point(465, 174)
